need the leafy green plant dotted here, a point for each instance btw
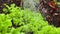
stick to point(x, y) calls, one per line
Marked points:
point(19, 21)
point(5, 23)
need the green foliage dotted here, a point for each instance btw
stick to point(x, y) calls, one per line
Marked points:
point(19, 21)
point(48, 30)
point(5, 23)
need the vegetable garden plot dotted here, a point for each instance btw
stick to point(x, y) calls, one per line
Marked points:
point(25, 21)
point(15, 20)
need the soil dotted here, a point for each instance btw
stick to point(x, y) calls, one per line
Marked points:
point(52, 18)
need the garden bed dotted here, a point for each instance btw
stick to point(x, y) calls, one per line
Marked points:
point(15, 20)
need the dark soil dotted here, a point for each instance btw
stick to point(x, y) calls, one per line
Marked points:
point(50, 17)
